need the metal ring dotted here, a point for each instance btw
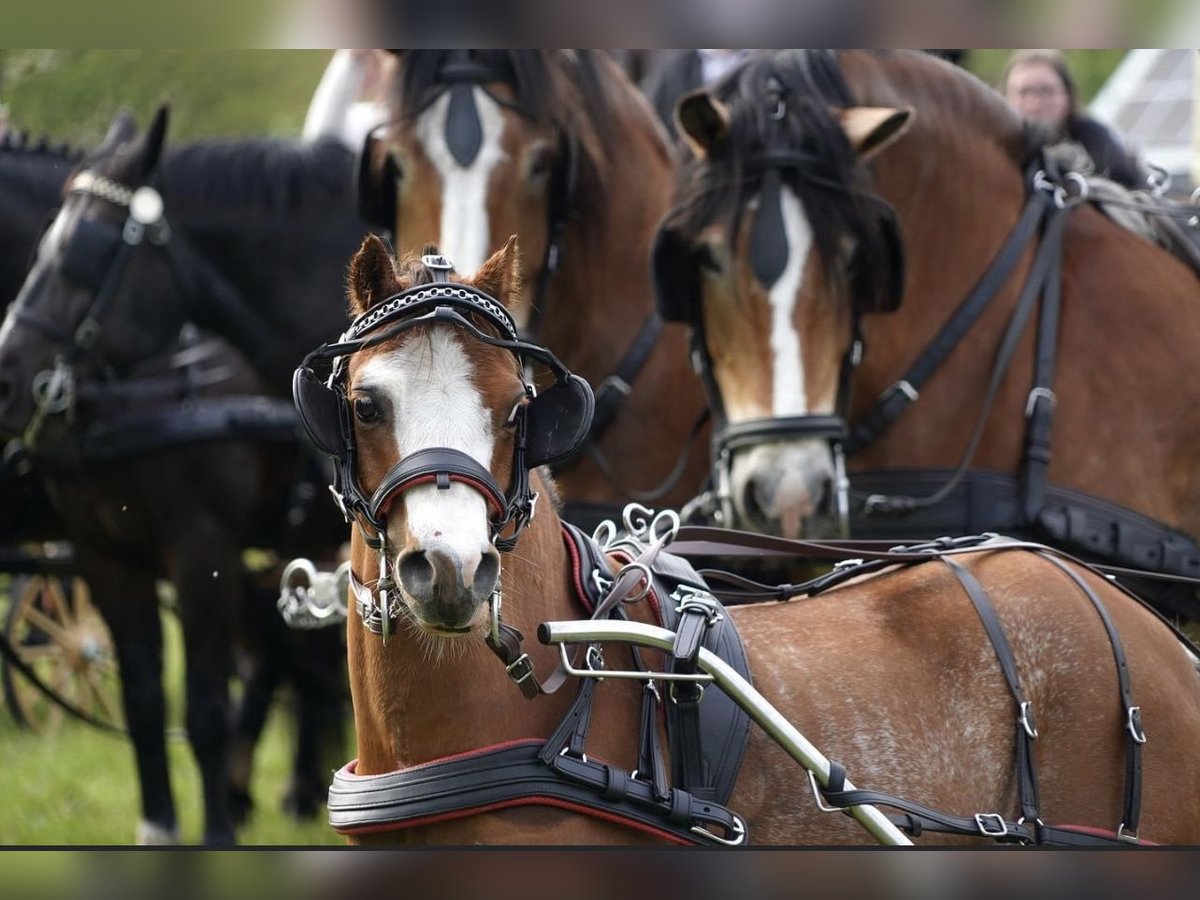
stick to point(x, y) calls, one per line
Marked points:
point(646, 578)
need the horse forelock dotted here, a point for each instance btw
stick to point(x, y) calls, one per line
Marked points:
point(833, 186)
point(565, 92)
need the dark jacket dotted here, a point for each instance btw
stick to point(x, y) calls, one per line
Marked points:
point(1107, 151)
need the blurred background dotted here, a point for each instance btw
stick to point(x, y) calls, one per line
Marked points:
point(70, 95)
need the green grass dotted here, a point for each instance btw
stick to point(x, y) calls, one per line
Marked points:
point(78, 785)
point(72, 95)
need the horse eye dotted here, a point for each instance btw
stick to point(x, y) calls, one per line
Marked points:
point(541, 163)
point(366, 409)
point(707, 260)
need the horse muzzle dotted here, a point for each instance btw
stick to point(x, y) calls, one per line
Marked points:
point(445, 588)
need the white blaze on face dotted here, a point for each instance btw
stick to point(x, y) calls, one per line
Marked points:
point(788, 397)
point(49, 247)
point(433, 403)
point(465, 235)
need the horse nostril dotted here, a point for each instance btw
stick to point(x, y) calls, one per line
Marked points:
point(754, 504)
point(487, 573)
point(416, 574)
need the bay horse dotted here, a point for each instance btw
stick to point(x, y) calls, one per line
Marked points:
point(437, 439)
point(863, 237)
point(560, 147)
point(144, 429)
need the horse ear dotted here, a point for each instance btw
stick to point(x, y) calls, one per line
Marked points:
point(500, 276)
point(702, 119)
point(156, 136)
point(372, 275)
point(872, 128)
point(122, 129)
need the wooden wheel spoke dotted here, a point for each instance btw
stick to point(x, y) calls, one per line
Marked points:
point(35, 616)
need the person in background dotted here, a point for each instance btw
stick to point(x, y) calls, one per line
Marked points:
point(1039, 86)
point(348, 101)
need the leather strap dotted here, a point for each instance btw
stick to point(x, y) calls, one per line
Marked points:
point(896, 399)
point(616, 387)
point(1131, 714)
point(515, 775)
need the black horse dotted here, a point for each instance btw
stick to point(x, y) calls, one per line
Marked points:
point(145, 491)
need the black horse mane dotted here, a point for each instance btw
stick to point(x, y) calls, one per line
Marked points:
point(20, 141)
point(833, 186)
point(272, 174)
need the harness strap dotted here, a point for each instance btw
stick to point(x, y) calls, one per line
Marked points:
point(896, 399)
point(1039, 410)
point(1132, 715)
point(512, 775)
point(1026, 730)
point(616, 387)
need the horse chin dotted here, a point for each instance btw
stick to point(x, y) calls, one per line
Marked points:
point(441, 626)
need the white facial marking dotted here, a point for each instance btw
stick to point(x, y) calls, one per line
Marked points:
point(465, 237)
point(788, 397)
point(48, 248)
point(433, 402)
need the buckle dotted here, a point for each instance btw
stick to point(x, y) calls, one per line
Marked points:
point(520, 669)
point(1027, 720)
point(691, 598)
point(737, 838)
point(1000, 826)
point(616, 383)
point(1124, 834)
point(1133, 723)
point(1040, 393)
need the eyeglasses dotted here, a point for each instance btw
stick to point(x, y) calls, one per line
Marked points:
point(1040, 91)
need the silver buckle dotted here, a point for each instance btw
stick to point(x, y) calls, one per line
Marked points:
point(1035, 394)
point(1133, 722)
point(739, 834)
point(1027, 719)
point(1124, 834)
point(520, 665)
point(1002, 827)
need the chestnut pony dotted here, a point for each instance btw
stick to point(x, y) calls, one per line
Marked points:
point(837, 203)
point(428, 414)
point(559, 147)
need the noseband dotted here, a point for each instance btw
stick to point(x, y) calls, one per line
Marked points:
point(546, 427)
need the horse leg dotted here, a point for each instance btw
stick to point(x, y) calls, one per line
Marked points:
point(209, 589)
point(128, 601)
point(319, 681)
point(265, 628)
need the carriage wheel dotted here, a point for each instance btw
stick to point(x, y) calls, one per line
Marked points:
point(62, 637)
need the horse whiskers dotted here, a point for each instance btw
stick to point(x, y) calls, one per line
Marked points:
point(436, 649)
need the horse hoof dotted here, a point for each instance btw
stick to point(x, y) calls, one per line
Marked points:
point(301, 805)
point(150, 834)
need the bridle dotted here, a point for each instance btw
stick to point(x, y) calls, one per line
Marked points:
point(545, 427)
point(95, 259)
point(768, 258)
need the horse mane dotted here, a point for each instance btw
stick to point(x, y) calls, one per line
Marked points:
point(718, 186)
point(269, 174)
point(20, 141)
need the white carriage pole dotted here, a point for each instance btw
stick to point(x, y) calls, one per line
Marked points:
point(740, 691)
